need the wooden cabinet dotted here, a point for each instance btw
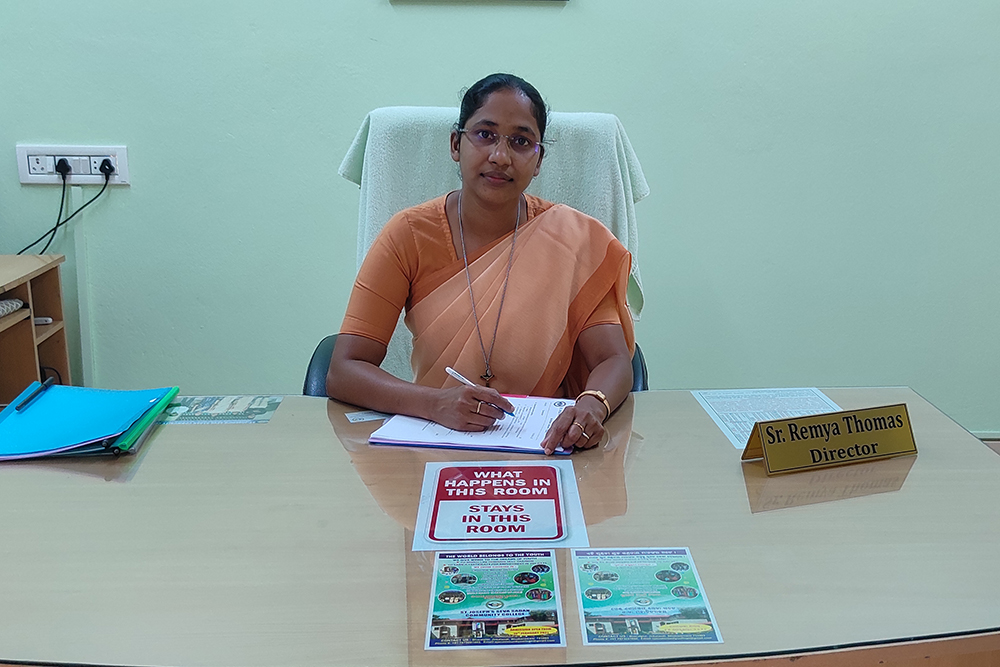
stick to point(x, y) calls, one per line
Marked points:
point(26, 347)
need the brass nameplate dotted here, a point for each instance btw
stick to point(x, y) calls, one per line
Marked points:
point(833, 439)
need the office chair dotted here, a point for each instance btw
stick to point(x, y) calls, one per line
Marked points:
point(319, 364)
point(640, 377)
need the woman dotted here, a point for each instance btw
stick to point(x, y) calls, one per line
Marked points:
point(526, 296)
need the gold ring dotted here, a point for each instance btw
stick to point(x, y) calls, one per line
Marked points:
point(581, 430)
point(479, 407)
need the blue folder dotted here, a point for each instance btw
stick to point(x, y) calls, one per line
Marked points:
point(61, 419)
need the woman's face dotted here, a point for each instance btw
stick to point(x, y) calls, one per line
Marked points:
point(496, 173)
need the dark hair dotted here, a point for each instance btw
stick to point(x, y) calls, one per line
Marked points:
point(475, 97)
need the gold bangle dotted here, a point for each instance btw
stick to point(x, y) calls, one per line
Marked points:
point(599, 395)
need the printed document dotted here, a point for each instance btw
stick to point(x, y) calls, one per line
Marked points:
point(521, 433)
point(735, 411)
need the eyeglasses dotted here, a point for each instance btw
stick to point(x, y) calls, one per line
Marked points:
point(518, 143)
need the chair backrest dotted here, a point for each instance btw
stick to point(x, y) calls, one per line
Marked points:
point(640, 378)
point(319, 364)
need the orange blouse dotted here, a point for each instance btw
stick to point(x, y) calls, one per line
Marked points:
point(569, 273)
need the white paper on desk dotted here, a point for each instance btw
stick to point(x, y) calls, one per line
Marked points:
point(365, 416)
point(521, 433)
point(735, 411)
point(574, 524)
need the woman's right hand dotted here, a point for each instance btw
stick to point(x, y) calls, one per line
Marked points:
point(466, 408)
point(355, 377)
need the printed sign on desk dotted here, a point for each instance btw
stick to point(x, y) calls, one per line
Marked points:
point(513, 502)
point(499, 505)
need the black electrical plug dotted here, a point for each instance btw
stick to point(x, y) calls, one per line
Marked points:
point(63, 168)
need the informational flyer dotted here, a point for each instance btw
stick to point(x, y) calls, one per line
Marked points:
point(642, 596)
point(495, 599)
point(220, 410)
point(735, 411)
point(477, 506)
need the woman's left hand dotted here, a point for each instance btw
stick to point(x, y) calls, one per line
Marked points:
point(578, 426)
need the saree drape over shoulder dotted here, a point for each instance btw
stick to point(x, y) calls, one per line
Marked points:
point(568, 273)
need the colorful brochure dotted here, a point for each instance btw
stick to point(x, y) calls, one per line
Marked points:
point(642, 596)
point(495, 599)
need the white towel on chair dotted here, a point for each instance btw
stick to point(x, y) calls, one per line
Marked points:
point(400, 158)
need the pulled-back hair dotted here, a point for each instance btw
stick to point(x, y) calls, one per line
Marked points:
point(475, 97)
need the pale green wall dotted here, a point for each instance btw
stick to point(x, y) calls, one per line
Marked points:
point(825, 176)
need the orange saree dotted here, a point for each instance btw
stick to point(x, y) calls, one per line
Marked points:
point(568, 273)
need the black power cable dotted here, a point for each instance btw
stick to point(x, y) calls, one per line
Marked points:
point(45, 375)
point(63, 168)
point(106, 168)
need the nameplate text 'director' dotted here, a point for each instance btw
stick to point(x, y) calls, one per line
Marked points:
point(832, 439)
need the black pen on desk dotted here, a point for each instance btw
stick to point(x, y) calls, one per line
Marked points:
point(466, 381)
point(33, 395)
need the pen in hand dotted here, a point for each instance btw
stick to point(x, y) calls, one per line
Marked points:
point(466, 381)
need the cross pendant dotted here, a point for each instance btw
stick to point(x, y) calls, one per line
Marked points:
point(487, 376)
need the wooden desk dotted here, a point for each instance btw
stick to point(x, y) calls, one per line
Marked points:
point(288, 544)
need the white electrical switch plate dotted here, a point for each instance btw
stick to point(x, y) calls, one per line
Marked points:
point(37, 164)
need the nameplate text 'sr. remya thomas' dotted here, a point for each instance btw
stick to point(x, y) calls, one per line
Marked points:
point(832, 439)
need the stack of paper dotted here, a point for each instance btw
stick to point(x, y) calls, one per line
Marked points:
point(523, 432)
point(62, 421)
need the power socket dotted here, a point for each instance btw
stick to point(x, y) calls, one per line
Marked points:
point(36, 164)
point(95, 163)
point(41, 164)
point(79, 165)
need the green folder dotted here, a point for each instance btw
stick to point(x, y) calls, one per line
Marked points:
point(138, 432)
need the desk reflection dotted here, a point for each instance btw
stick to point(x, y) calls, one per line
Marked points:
point(108, 468)
point(822, 486)
point(393, 475)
